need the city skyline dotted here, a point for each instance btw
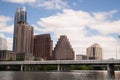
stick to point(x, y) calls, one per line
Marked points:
point(79, 20)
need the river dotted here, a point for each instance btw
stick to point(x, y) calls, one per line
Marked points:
point(73, 75)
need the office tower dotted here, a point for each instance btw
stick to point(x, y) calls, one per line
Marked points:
point(42, 47)
point(23, 34)
point(20, 17)
point(63, 49)
point(94, 52)
point(3, 43)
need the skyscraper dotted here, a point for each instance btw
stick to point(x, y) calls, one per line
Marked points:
point(20, 17)
point(23, 33)
point(63, 49)
point(42, 47)
point(94, 52)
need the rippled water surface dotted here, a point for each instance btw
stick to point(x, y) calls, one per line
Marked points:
point(73, 75)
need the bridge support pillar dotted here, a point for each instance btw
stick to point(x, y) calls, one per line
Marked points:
point(58, 67)
point(110, 71)
point(21, 67)
point(63, 67)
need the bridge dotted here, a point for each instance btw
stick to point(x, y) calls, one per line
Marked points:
point(64, 64)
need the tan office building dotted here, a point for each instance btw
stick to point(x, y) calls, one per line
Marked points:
point(94, 52)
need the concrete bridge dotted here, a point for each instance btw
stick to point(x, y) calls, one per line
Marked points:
point(64, 64)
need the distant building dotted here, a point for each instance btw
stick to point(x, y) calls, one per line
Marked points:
point(63, 50)
point(6, 55)
point(81, 57)
point(94, 52)
point(42, 47)
point(3, 43)
point(23, 34)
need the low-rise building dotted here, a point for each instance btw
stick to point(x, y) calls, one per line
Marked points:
point(6, 55)
point(24, 57)
point(81, 57)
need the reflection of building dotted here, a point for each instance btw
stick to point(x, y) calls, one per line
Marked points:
point(7, 55)
point(23, 34)
point(3, 43)
point(42, 47)
point(94, 52)
point(81, 57)
point(63, 49)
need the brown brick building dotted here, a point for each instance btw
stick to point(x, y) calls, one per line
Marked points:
point(42, 47)
point(63, 49)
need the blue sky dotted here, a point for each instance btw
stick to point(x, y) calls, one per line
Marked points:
point(85, 22)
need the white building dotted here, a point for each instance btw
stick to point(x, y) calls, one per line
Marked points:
point(3, 43)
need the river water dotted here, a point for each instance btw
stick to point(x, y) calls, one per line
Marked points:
point(73, 75)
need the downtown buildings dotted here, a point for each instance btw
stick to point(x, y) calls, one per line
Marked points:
point(40, 46)
point(25, 45)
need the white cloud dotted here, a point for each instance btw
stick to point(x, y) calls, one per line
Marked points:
point(2, 35)
point(47, 4)
point(73, 24)
point(4, 27)
point(50, 4)
point(4, 18)
point(20, 1)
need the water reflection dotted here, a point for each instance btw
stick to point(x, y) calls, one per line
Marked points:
point(74, 75)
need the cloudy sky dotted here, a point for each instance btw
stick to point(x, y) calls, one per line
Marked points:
point(85, 22)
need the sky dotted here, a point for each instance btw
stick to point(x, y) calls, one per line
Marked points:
point(84, 22)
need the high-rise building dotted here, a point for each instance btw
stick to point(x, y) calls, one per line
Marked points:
point(24, 40)
point(63, 49)
point(3, 43)
point(23, 33)
point(94, 52)
point(42, 47)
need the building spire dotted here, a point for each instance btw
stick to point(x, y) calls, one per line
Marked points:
point(21, 15)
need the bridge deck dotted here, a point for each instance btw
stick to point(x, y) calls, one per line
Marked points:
point(82, 62)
